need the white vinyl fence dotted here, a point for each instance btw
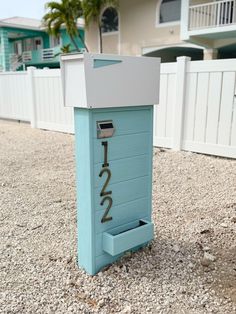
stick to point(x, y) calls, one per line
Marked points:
point(196, 112)
point(15, 101)
point(49, 112)
point(35, 96)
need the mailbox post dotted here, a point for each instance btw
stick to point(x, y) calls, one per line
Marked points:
point(113, 99)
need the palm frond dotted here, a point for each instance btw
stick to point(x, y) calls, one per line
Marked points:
point(63, 12)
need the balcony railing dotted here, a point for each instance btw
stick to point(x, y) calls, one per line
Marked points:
point(34, 57)
point(26, 56)
point(212, 14)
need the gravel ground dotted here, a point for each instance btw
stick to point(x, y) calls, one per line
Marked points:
point(190, 267)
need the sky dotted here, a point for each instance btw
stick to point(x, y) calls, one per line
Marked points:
point(24, 8)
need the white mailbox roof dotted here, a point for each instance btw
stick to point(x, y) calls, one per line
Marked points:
point(101, 80)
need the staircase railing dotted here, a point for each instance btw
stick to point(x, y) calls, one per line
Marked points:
point(15, 62)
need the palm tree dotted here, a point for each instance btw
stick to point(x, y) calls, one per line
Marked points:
point(65, 49)
point(64, 13)
point(92, 10)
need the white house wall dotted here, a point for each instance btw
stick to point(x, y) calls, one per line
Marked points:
point(138, 28)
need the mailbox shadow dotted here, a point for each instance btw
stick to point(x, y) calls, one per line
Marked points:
point(160, 257)
point(173, 265)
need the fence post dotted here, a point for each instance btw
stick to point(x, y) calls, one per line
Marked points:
point(180, 101)
point(30, 71)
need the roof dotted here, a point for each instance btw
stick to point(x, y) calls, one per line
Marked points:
point(21, 22)
point(28, 23)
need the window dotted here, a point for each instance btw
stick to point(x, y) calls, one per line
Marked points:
point(170, 11)
point(110, 21)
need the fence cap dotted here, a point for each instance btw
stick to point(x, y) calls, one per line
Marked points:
point(101, 80)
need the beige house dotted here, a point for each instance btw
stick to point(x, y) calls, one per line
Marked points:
point(168, 29)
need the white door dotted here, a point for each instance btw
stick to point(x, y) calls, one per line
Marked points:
point(18, 47)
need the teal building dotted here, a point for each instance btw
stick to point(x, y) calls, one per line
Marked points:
point(24, 42)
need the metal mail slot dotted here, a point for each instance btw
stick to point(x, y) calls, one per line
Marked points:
point(105, 129)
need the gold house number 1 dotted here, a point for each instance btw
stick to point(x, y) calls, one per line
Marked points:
point(106, 194)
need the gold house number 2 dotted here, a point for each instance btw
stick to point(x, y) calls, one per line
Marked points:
point(106, 194)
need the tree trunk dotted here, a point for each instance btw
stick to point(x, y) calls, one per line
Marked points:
point(83, 41)
point(100, 38)
point(74, 43)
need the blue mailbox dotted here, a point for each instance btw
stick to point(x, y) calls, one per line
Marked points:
point(113, 99)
